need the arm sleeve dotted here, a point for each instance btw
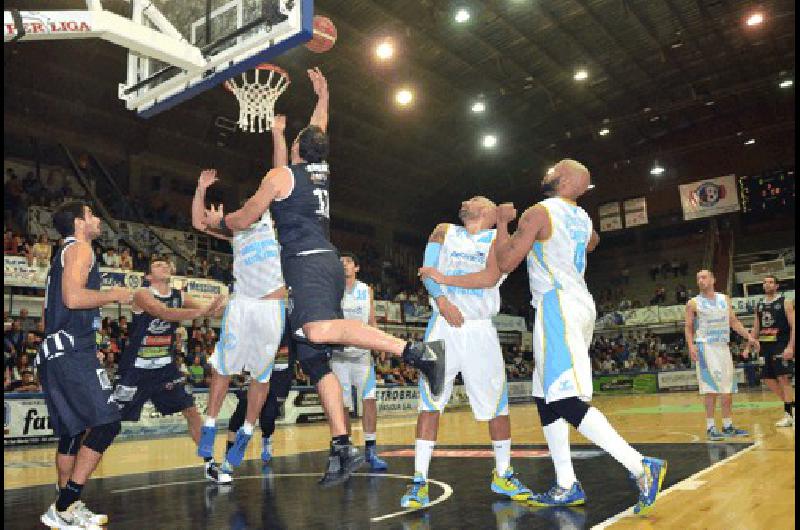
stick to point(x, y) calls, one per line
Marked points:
point(431, 259)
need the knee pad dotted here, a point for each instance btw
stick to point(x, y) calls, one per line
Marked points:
point(69, 445)
point(571, 409)
point(100, 437)
point(546, 414)
point(316, 367)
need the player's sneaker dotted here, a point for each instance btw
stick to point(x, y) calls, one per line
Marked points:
point(429, 359)
point(205, 447)
point(215, 473)
point(375, 462)
point(76, 517)
point(649, 484)
point(731, 432)
point(266, 450)
point(714, 435)
point(235, 454)
point(509, 485)
point(558, 496)
point(342, 461)
point(417, 493)
point(786, 421)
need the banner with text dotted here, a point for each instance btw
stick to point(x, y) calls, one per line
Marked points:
point(610, 217)
point(709, 197)
point(635, 212)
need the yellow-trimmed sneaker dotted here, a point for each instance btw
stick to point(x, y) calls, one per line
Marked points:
point(417, 494)
point(509, 485)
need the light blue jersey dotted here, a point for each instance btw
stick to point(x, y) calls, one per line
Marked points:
point(257, 260)
point(713, 323)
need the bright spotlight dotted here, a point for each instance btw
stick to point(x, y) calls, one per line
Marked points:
point(403, 97)
point(751, 141)
point(604, 131)
point(462, 15)
point(657, 170)
point(581, 75)
point(786, 83)
point(478, 107)
point(385, 50)
point(489, 141)
point(755, 19)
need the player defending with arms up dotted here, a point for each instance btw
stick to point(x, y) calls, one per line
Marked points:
point(299, 198)
point(709, 319)
point(555, 235)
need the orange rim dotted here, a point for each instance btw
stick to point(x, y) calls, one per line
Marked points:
point(263, 66)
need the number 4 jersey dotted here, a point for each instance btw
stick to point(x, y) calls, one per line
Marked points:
point(302, 218)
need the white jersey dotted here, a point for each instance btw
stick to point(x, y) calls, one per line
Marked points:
point(465, 253)
point(560, 261)
point(712, 324)
point(356, 306)
point(257, 260)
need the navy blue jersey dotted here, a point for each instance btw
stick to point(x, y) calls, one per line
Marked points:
point(772, 321)
point(151, 341)
point(302, 220)
point(68, 329)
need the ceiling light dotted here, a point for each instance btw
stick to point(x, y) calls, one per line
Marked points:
point(590, 187)
point(657, 170)
point(786, 83)
point(710, 103)
point(478, 106)
point(755, 19)
point(604, 131)
point(462, 15)
point(581, 75)
point(384, 50)
point(403, 97)
point(751, 141)
point(489, 141)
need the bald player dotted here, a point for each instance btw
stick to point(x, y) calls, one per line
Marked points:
point(462, 277)
point(555, 235)
point(709, 320)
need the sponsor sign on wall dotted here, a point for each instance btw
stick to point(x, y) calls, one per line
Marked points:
point(687, 380)
point(705, 198)
point(610, 216)
point(635, 212)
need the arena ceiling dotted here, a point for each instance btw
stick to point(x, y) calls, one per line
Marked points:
point(664, 76)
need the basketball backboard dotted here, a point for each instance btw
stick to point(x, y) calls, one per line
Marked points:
point(232, 35)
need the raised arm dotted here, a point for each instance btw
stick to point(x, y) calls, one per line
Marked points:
point(484, 279)
point(206, 179)
point(276, 184)
point(280, 152)
point(320, 116)
point(77, 264)
point(512, 249)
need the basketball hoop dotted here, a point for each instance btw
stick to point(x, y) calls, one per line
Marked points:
point(257, 90)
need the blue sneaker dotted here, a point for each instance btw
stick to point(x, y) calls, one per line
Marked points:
point(266, 450)
point(508, 484)
point(417, 493)
point(714, 435)
point(205, 447)
point(375, 463)
point(732, 432)
point(649, 484)
point(236, 452)
point(558, 496)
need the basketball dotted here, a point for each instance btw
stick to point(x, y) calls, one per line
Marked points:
point(324, 35)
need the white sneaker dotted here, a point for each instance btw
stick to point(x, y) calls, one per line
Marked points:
point(76, 517)
point(215, 474)
point(786, 421)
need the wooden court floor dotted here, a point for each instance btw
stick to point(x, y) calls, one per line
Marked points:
point(754, 489)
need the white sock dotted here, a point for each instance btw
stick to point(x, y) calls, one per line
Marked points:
point(247, 428)
point(210, 422)
point(595, 427)
point(502, 455)
point(727, 423)
point(423, 451)
point(370, 436)
point(710, 423)
point(557, 436)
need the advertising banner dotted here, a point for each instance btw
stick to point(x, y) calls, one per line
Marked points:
point(625, 384)
point(610, 216)
point(635, 212)
point(687, 380)
point(709, 197)
point(17, 273)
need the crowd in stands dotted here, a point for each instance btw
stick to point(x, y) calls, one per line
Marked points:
point(616, 298)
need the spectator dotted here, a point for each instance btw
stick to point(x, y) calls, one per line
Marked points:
point(675, 266)
point(181, 338)
point(140, 262)
point(26, 383)
point(15, 335)
point(180, 362)
point(197, 375)
point(42, 252)
point(111, 258)
point(27, 323)
point(7, 321)
point(215, 270)
point(681, 294)
point(126, 260)
point(9, 246)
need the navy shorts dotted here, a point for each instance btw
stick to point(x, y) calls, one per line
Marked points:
point(316, 283)
point(78, 392)
point(774, 363)
point(165, 387)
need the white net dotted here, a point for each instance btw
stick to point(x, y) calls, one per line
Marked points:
point(257, 90)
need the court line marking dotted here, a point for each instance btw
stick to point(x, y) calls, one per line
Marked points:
point(447, 490)
point(678, 486)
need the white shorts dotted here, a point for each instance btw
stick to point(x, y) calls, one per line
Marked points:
point(250, 337)
point(474, 350)
point(562, 335)
point(715, 371)
point(356, 372)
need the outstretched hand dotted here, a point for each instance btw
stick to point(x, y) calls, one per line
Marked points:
point(207, 178)
point(506, 213)
point(213, 216)
point(318, 81)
